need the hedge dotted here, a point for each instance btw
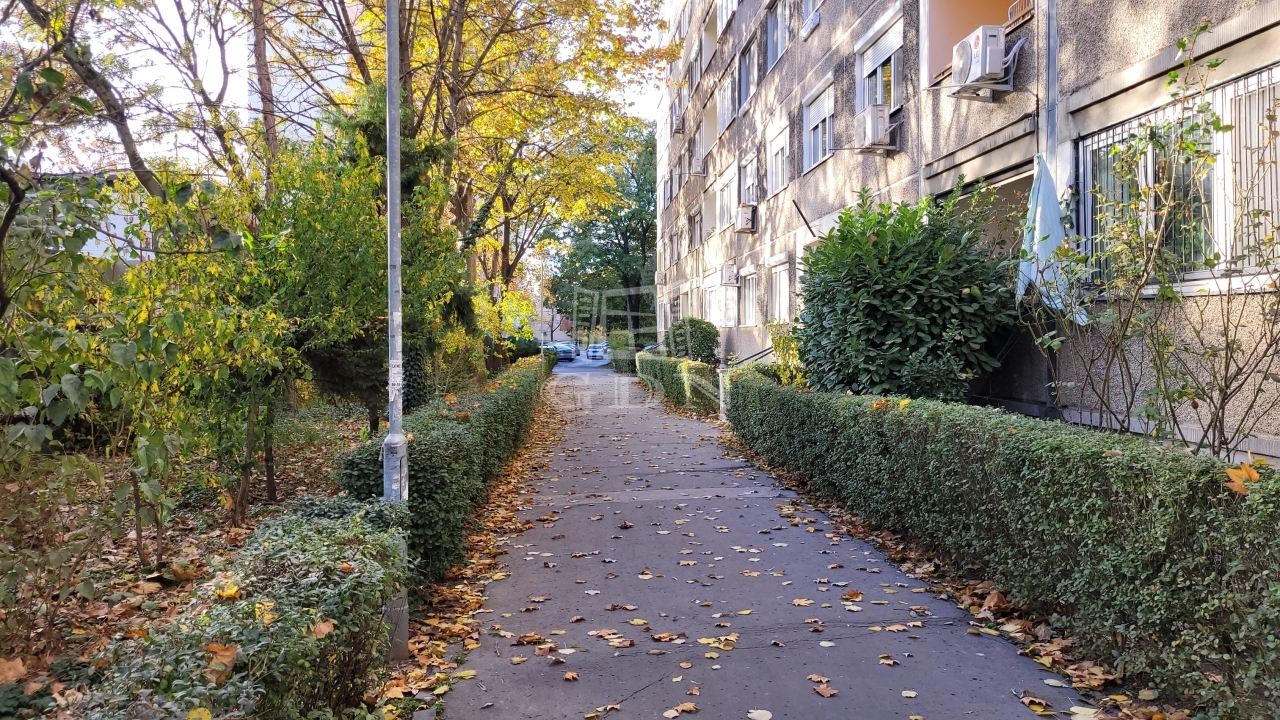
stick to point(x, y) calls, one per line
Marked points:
point(457, 445)
point(622, 351)
point(1143, 554)
point(683, 382)
point(294, 573)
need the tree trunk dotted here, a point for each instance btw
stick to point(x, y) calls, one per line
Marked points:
point(269, 453)
point(240, 506)
point(137, 520)
point(373, 420)
point(266, 90)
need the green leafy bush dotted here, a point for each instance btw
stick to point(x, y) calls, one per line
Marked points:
point(684, 383)
point(896, 281)
point(267, 614)
point(694, 339)
point(457, 446)
point(622, 351)
point(1144, 555)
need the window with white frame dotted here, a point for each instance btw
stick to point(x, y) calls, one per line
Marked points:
point(1202, 210)
point(676, 305)
point(780, 293)
point(708, 302)
point(747, 300)
point(748, 70)
point(724, 104)
point(880, 63)
point(818, 112)
point(726, 200)
point(695, 230)
point(775, 32)
point(810, 6)
point(748, 191)
point(778, 169)
point(724, 13)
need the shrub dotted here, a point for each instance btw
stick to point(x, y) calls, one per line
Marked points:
point(458, 445)
point(786, 350)
point(694, 339)
point(622, 351)
point(1147, 558)
point(684, 383)
point(895, 281)
point(267, 614)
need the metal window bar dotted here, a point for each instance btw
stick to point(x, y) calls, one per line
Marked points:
point(1247, 160)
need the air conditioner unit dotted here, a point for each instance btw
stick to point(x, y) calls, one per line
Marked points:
point(697, 167)
point(728, 274)
point(746, 220)
point(872, 131)
point(978, 59)
point(677, 125)
point(660, 278)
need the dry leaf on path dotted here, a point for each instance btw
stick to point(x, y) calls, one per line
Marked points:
point(571, 676)
point(888, 660)
point(518, 659)
point(693, 691)
point(815, 677)
point(759, 715)
point(908, 693)
point(12, 670)
point(802, 602)
point(824, 690)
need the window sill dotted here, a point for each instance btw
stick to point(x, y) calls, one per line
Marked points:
point(821, 160)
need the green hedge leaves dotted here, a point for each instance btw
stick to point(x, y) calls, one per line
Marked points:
point(293, 573)
point(458, 445)
point(1143, 554)
point(684, 383)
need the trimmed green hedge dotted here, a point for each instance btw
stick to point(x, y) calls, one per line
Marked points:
point(1144, 554)
point(622, 351)
point(454, 451)
point(305, 568)
point(693, 338)
point(684, 382)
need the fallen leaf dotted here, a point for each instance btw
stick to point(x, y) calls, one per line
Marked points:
point(518, 659)
point(686, 665)
point(888, 660)
point(571, 676)
point(1056, 683)
point(802, 602)
point(852, 595)
point(347, 567)
point(464, 674)
point(759, 715)
point(576, 619)
point(896, 628)
point(677, 678)
point(744, 612)
point(200, 714)
point(222, 659)
point(1148, 694)
point(908, 693)
point(12, 670)
point(815, 677)
point(693, 691)
point(824, 690)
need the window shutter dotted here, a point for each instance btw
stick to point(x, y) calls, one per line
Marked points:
point(883, 48)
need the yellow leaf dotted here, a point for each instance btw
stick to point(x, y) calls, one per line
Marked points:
point(903, 403)
point(464, 674)
point(518, 659)
point(320, 629)
point(571, 676)
point(200, 714)
point(228, 590)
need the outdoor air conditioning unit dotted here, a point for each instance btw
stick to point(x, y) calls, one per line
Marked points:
point(697, 167)
point(872, 131)
point(677, 125)
point(978, 62)
point(746, 220)
point(728, 274)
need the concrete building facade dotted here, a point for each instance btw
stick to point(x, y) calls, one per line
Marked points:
point(764, 139)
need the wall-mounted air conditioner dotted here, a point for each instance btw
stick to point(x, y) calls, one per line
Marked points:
point(728, 274)
point(746, 220)
point(980, 67)
point(697, 166)
point(677, 124)
point(872, 131)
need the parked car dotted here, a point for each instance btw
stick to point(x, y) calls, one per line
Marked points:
point(597, 351)
point(565, 351)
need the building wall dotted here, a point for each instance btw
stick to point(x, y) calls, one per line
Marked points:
point(1084, 66)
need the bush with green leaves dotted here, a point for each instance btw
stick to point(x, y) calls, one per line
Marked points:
point(1137, 551)
point(292, 629)
point(893, 282)
point(695, 339)
point(457, 445)
point(622, 351)
point(684, 383)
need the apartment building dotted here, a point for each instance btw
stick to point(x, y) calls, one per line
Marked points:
point(779, 112)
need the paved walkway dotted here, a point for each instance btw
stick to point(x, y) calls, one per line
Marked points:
point(687, 543)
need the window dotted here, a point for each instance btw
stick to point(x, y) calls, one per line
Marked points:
point(695, 230)
point(775, 31)
point(1198, 210)
point(675, 309)
point(780, 293)
point(747, 311)
point(726, 201)
point(748, 69)
point(811, 6)
point(880, 68)
point(817, 123)
point(708, 302)
point(724, 104)
point(946, 22)
point(776, 174)
point(747, 188)
point(724, 13)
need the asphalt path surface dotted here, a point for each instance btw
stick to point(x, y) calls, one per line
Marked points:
point(653, 513)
